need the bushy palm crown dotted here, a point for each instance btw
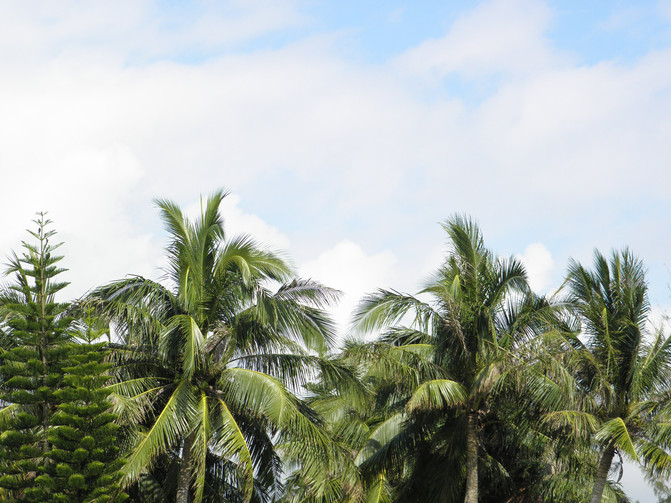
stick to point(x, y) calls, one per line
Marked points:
point(468, 319)
point(480, 314)
point(624, 372)
point(613, 305)
point(206, 361)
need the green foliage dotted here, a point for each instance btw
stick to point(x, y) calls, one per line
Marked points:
point(624, 370)
point(480, 346)
point(207, 362)
point(480, 314)
point(85, 453)
point(476, 389)
point(31, 365)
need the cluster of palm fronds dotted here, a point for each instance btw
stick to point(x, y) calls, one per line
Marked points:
point(228, 387)
point(478, 389)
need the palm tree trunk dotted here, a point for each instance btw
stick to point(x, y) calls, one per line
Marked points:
point(602, 474)
point(472, 459)
point(184, 476)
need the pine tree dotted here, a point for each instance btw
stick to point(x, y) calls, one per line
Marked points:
point(86, 463)
point(31, 371)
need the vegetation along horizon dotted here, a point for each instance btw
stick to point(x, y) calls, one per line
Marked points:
point(227, 381)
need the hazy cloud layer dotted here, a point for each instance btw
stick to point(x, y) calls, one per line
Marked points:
point(110, 107)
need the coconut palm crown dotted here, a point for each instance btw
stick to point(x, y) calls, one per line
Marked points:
point(207, 358)
point(626, 370)
point(479, 311)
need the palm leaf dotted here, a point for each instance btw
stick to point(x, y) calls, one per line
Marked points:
point(380, 437)
point(229, 441)
point(616, 431)
point(168, 429)
point(437, 394)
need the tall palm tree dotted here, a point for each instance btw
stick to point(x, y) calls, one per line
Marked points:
point(626, 373)
point(479, 314)
point(206, 358)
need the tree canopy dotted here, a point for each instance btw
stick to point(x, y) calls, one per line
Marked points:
point(226, 380)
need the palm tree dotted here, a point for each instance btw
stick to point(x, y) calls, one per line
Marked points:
point(625, 373)
point(479, 315)
point(362, 417)
point(205, 360)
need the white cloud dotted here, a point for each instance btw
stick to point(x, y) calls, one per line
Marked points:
point(237, 222)
point(623, 18)
point(85, 192)
point(347, 267)
point(498, 36)
point(135, 31)
point(396, 15)
point(539, 264)
point(329, 147)
point(582, 136)
point(433, 261)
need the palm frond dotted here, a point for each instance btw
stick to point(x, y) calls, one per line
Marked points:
point(437, 394)
point(380, 437)
point(388, 307)
point(169, 428)
point(616, 431)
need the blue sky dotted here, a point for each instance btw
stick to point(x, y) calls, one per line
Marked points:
point(593, 30)
point(345, 131)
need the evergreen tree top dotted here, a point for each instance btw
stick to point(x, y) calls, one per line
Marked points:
point(38, 263)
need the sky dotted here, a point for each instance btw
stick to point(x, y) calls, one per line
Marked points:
point(344, 131)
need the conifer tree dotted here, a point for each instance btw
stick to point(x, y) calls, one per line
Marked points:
point(31, 371)
point(86, 463)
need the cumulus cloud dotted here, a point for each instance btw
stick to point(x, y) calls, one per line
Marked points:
point(347, 267)
point(85, 192)
point(539, 264)
point(238, 222)
point(102, 117)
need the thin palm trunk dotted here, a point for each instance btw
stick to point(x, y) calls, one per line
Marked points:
point(184, 477)
point(472, 459)
point(602, 474)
